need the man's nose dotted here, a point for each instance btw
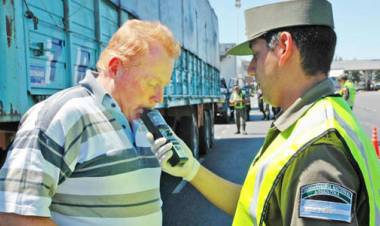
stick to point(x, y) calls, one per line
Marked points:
point(159, 95)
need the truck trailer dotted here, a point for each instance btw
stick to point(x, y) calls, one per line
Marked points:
point(47, 46)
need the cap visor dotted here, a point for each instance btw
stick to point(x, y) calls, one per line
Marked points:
point(241, 49)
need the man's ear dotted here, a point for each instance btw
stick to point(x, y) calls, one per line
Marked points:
point(285, 47)
point(113, 66)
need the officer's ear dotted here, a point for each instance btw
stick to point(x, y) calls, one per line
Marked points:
point(285, 47)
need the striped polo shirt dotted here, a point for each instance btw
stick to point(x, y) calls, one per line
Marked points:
point(75, 159)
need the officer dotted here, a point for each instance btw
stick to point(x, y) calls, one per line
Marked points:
point(316, 166)
point(347, 90)
point(237, 100)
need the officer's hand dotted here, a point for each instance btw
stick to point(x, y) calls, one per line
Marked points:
point(163, 153)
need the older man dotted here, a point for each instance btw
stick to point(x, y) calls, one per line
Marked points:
point(316, 166)
point(81, 157)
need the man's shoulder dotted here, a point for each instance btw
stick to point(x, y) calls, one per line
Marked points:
point(67, 95)
point(65, 102)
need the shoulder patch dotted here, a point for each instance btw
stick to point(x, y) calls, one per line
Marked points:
point(326, 201)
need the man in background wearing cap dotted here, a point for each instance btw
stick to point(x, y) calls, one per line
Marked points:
point(316, 166)
point(347, 90)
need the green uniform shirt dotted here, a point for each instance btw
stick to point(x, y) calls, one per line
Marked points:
point(326, 160)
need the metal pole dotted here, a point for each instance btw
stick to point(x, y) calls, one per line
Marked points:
point(237, 5)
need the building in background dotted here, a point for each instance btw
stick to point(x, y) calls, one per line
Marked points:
point(228, 63)
point(364, 73)
point(233, 68)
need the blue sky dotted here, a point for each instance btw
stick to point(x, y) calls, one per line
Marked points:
point(357, 23)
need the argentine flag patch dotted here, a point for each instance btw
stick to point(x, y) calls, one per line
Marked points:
point(326, 201)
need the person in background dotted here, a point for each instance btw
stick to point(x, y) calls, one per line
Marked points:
point(237, 100)
point(317, 166)
point(347, 90)
point(275, 112)
point(263, 106)
point(81, 157)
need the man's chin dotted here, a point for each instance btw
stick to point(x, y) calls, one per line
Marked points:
point(137, 114)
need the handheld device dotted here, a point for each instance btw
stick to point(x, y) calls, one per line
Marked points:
point(157, 125)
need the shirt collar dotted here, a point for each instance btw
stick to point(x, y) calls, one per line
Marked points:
point(302, 104)
point(95, 87)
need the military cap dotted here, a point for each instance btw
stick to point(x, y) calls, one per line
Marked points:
point(262, 19)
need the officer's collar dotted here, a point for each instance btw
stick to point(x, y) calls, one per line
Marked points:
point(302, 104)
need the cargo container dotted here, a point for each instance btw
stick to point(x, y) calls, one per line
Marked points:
point(47, 46)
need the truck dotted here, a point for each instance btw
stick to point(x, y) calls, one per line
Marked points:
point(47, 46)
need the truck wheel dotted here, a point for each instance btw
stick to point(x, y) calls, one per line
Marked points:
point(188, 132)
point(205, 133)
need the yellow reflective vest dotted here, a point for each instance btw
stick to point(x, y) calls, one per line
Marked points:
point(326, 115)
point(238, 99)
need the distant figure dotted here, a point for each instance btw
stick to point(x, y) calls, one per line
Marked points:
point(237, 100)
point(275, 112)
point(347, 90)
point(263, 107)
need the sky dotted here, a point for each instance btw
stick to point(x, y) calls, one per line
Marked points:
point(357, 24)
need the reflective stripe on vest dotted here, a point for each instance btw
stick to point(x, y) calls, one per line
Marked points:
point(328, 114)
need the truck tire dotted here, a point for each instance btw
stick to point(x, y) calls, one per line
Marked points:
point(188, 132)
point(205, 133)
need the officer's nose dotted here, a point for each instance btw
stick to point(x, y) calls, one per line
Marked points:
point(252, 67)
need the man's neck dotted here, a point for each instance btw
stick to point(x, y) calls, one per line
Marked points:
point(299, 88)
point(105, 82)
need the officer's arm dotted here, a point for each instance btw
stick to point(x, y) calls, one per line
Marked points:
point(220, 192)
point(345, 93)
point(323, 164)
point(10, 219)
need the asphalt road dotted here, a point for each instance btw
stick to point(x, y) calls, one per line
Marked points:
point(367, 110)
point(230, 158)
